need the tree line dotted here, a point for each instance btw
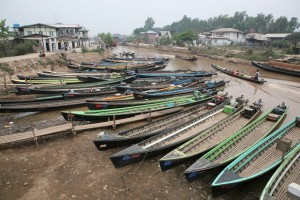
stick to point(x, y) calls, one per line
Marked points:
point(261, 23)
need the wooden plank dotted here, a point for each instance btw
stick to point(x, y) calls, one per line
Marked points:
point(68, 127)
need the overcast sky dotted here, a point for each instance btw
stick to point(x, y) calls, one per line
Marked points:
point(123, 16)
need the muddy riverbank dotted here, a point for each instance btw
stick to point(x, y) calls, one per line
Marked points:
point(70, 167)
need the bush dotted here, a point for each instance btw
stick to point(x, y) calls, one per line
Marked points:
point(25, 47)
point(98, 50)
point(84, 50)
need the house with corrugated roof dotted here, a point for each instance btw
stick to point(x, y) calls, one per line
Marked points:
point(151, 36)
point(55, 36)
point(276, 36)
point(227, 36)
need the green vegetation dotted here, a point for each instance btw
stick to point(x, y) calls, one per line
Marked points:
point(261, 23)
point(84, 50)
point(106, 38)
point(149, 23)
point(185, 37)
point(98, 50)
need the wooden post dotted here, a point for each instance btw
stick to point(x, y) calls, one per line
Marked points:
point(70, 118)
point(149, 119)
point(114, 122)
point(5, 87)
point(34, 137)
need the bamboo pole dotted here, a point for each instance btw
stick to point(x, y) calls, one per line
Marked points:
point(114, 122)
point(34, 136)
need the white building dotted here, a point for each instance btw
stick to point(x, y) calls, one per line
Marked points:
point(55, 36)
point(227, 36)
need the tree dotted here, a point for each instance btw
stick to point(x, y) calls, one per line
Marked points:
point(294, 38)
point(137, 31)
point(149, 23)
point(186, 36)
point(3, 29)
point(106, 38)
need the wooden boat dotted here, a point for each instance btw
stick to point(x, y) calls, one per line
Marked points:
point(50, 74)
point(241, 76)
point(193, 58)
point(104, 114)
point(41, 106)
point(121, 66)
point(172, 137)
point(200, 144)
point(276, 69)
point(142, 86)
point(98, 105)
point(76, 87)
point(46, 81)
point(259, 159)
point(28, 98)
point(287, 173)
point(176, 74)
point(23, 77)
point(140, 69)
point(178, 91)
point(238, 143)
point(136, 59)
point(131, 136)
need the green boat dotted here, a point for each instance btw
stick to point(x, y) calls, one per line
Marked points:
point(259, 159)
point(238, 143)
point(47, 81)
point(205, 141)
point(286, 174)
point(104, 114)
point(98, 105)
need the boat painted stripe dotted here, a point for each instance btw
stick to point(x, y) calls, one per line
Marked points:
point(186, 127)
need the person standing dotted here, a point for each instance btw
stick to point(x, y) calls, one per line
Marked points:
point(256, 75)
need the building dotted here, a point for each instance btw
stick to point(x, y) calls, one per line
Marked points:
point(276, 36)
point(226, 36)
point(256, 39)
point(150, 35)
point(165, 34)
point(56, 36)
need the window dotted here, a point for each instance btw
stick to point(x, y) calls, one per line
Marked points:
point(41, 32)
point(51, 33)
point(61, 32)
point(67, 31)
point(29, 33)
point(71, 32)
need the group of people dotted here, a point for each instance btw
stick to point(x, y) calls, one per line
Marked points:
point(237, 73)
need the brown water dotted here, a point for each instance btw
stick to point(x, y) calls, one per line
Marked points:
point(278, 88)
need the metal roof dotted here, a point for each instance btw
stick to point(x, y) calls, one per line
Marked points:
point(276, 35)
point(226, 30)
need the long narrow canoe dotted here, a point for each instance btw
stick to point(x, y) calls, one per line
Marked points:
point(176, 74)
point(65, 88)
point(49, 74)
point(171, 138)
point(177, 91)
point(41, 106)
point(114, 104)
point(193, 58)
point(276, 69)
point(140, 133)
point(104, 114)
point(195, 147)
point(47, 81)
point(258, 160)
point(241, 76)
point(238, 143)
point(28, 98)
point(287, 173)
point(151, 86)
